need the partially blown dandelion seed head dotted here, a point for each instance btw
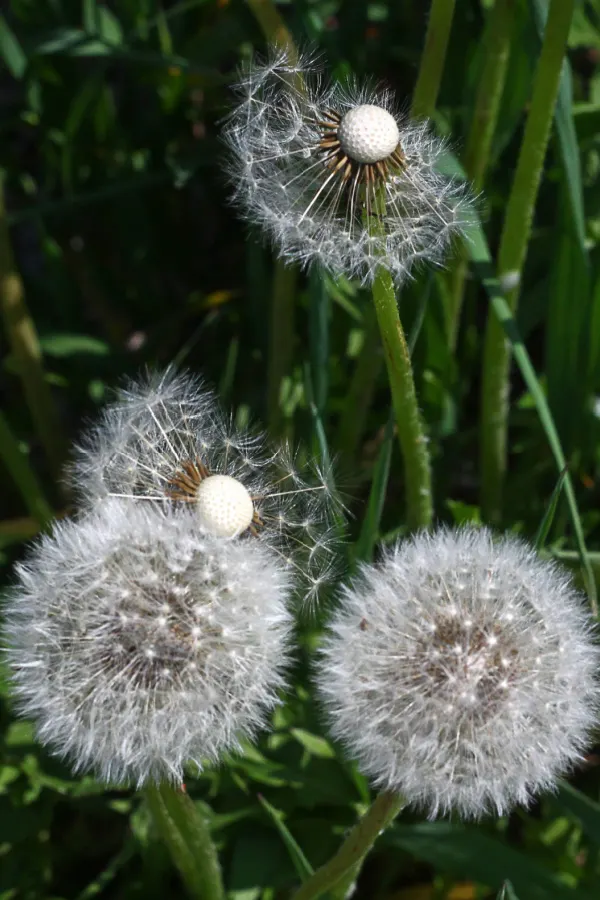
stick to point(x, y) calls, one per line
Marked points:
point(460, 672)
point(138, 644)
point(166, 440)
point(312, 162)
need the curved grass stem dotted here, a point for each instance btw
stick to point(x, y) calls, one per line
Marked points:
point(511, 256)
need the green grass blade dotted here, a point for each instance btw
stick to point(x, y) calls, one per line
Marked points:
point(23, 475)
point(546, 523)
point(301, 864)
point(369, 532)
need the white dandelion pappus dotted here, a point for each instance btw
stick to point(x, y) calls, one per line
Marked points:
point(311, 160)
point(138, 644)
point(166, 439)
point(461, 671)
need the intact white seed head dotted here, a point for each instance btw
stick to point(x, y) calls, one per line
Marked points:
point(224, 505)
point(368, 134)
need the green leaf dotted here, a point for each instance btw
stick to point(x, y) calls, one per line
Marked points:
point(11, 51)
point(577, 804)
point(467, 852)
point(301, 864)
point(64, 345)
point(546, 522)
point(23, 475)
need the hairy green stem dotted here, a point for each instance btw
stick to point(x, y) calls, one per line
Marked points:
point(355, 848)
point(481, 132)
point(511, 256)
point(433, 58)
point(281, 341)
point(411, 435)
point(187, 836)
point(25, 347)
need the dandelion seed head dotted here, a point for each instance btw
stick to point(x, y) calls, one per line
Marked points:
point(165, 440)
point(136, 647)
point(461, 672)
point(314, 163)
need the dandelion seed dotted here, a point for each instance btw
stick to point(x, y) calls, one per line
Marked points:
point(133, 654)
point(460, 672)
point(166, 440)
point(311, 163)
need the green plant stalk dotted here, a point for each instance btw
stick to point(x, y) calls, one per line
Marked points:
point(187, 836)
point(481, 132)
point(23, 475)
point(511, 256)
point(348, 859)
point(281, 341)
point(433, 58)
point(25, 347)
point(411, 435)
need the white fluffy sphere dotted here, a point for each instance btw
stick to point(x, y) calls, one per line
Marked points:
point(368, 133)
point(224, 505)
point(461, 672)
point(138, 643)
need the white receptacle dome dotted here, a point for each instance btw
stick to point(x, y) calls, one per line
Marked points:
point(224, 505)
point(368, 134)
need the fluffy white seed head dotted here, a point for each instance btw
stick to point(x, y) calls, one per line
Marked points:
point(165, 440)
point(224, 506)
point(310, 161)
point(368, 134)
point(461, 672)
point(139, 644)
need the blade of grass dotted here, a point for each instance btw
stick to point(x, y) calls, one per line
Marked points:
point(433, 58)
point(301, 864)
point(25, 346)
point(23, 475)
point(369, 533)
point(546, 523)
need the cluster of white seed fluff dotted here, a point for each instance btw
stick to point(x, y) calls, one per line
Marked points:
point(139, 643)
point(461, 672)
point(336, 175)
point(165, 440)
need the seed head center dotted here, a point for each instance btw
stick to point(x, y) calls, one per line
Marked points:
point(224, 505)
point(368, 134)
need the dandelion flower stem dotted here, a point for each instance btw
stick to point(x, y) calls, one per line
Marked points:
point(187, 836)
point(512, 252)
point(433, 58)
point(347, 860)
point(411, 435)
point(479, 141)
